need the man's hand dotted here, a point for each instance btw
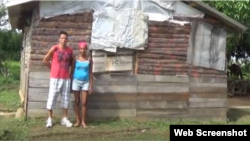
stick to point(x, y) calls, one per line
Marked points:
point(47, 58)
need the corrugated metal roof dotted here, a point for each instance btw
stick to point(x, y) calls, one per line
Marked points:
point(17, 7)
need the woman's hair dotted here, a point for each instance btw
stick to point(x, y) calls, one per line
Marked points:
point(82, 44)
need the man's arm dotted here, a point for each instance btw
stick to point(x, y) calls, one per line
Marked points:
point(47, 58)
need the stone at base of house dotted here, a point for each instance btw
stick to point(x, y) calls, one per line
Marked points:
point(21, 95)
point(19, 113)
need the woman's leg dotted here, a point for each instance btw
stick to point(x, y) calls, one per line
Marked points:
point(84, 107)
point(77, 108)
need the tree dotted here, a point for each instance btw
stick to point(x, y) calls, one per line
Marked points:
point(10, 42)
point(238, 44)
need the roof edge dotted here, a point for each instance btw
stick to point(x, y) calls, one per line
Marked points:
point(14, 3)
point(222, 16)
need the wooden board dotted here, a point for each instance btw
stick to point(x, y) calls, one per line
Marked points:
point(42, 105)
point(111, 113)
point(207, 111)
point(172, 89)
point(99, 61)
point(99, 78)
point(154, 87)
point(160, 113)
point(33, 68)
point(208, 80)
point(162, 97)
point(111, 105)
point(90, 105)
point(91, 113)
point(35, 96)
point(208, 95)
point(112, 98)
point(162, 105)
point(210, 104)
point(41, 94)
point(44, 113)
point(103, 79)
point(207, 100)
point(176, 118)
point(161, 78)
point(208, 90)
point(130, 87)
point(120, 62)
point(39, 75)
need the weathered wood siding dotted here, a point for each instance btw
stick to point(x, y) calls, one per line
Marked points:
point(112, 97)
point(208, 93)
point(25, 55)
point(163, 97)
point(44, 36)
point(166, 52)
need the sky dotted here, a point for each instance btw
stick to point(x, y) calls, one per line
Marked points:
point(8, 27)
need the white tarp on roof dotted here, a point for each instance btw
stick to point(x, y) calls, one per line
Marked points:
point(157, 10)
point(119, 23)
point(52, 8)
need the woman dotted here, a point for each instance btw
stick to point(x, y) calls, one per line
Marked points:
point(82, 80)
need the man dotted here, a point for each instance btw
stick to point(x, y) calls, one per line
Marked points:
point(61, 56)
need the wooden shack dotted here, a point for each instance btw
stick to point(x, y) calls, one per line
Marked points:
point(160, 82)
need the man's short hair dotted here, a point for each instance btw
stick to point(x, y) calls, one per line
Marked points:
point(63, 32)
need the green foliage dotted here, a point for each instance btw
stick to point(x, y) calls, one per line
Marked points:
point(10, 49)
point(10, 45)
point(9, 87)
point(238, 44)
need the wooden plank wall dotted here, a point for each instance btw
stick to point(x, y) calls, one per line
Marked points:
point(44, 35)
point(38, 94)
point(166, 55)
point(113, 96)
point(166, 52)
point(162, 97)
point(208, 93)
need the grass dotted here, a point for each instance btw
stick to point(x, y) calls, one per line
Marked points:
point(34, 128)
point(9, 86)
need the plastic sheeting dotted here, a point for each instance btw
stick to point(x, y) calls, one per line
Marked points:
point(207, 46)
point(157, 10)
point(50, 9)
point(112, 28)
point(182, 9)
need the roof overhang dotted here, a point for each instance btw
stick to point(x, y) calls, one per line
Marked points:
point(17, 9)
point(232, 24)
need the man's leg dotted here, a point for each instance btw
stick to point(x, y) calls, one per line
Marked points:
point(65, 100)
point(52, 97)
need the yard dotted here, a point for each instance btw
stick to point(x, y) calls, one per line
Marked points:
point(34, 129)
